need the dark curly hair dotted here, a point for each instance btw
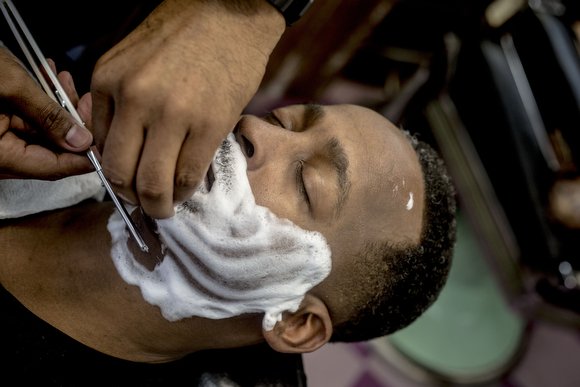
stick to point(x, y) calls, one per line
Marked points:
point(405, 279)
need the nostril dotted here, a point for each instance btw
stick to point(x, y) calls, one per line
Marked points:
point(248, 147)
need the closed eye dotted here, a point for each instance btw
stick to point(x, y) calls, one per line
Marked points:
point(300, 182)
point(273, 119)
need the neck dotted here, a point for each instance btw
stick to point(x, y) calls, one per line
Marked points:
point(67, 255)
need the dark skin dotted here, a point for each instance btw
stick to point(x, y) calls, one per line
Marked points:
point(34, 130)
point(61, 269)
point(166, 96)
point(164, 99)
point(59, 263)
point(74, 286)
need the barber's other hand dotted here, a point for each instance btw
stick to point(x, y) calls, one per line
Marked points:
point(37, 143)
point(167, 95)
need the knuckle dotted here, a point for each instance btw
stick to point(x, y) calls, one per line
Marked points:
point(54, 120)
point(177, 106)
point(9, 157)
point(150, 192)
point(11, 86)
point(7, 88)
point(100, 76)
point(137, 87)
point(187, 181)
point(115, 178)
point(132, 89)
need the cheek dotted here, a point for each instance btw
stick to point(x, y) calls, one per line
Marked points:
point(269, 192)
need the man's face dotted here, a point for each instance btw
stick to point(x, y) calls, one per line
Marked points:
point(342, 175)
point(343, 170)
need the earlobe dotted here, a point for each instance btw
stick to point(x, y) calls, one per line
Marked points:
point(306, 330)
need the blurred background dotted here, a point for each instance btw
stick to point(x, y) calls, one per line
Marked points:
point(494, 86)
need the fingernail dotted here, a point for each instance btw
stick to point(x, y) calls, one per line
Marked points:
point(77, 136)
point(123, 198)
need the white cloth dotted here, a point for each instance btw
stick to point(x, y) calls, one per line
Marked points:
point(25, 197)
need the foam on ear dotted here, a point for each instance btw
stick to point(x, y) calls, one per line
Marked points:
point(224, 255)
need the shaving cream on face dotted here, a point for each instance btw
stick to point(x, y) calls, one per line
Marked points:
point(223, 255)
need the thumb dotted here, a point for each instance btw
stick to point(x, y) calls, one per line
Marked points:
point(46, 116)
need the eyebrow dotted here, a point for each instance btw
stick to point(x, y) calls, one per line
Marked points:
point(314, 113)
point(339, 162)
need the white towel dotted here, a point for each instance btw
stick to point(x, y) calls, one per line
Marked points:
point(25, 197)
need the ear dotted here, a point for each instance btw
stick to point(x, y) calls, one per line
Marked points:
point(305, 330)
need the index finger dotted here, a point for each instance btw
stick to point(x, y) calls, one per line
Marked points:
point(193, 163)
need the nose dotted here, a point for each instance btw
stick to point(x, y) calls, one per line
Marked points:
point(262, 142)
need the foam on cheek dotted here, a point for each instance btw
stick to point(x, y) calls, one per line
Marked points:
point(224, 255)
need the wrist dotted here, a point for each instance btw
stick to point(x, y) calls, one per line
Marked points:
point(259, 16)
point(292, 10)
point(255, 21)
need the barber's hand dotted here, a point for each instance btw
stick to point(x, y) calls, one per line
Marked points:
point(167, 95)
point(36, 134)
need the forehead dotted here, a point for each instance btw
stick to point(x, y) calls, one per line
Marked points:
point(386, 196)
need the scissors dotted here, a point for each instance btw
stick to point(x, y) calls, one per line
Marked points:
point(53, 88)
